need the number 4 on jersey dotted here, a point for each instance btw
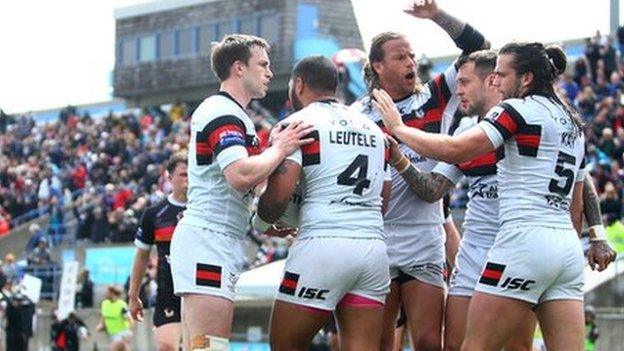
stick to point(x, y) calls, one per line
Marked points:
point(359, 165)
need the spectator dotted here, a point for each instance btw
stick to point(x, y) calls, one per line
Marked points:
point(607, 143)
point(10, 268)
point(611, 204)
point(592, 54)
point(570, 87)
point(620, 39)
point(66, 334)
point(609, 57)
point(36, 235)
point(19, 317)
point(99, 226)
point(3, 279)
point(84, 290)
point(41, 254)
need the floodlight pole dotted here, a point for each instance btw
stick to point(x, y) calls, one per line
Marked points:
point(614, 14)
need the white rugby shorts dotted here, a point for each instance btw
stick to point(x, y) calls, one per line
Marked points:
point(534, 264)
point(321, 271)
point(205, 262)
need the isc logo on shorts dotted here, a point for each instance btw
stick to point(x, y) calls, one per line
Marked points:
point(289, 287)
point(492, 275)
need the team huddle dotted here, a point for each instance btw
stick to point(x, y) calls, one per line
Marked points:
point(361, 187)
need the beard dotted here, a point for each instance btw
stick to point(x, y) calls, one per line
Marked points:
point(296, 102)
point(476, 109)
point(515, 92)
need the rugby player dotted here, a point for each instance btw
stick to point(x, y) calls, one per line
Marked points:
point(536, 262)
point(156, 228)
point(413, 227)
point(224, 166)
point(339, 261)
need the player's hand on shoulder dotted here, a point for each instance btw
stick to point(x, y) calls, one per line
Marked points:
point(423, 9)
point(388, 110)
point(290, 137)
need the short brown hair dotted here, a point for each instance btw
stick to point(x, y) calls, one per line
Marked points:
point(233, 47)
point(484, 61)
point(178, 157)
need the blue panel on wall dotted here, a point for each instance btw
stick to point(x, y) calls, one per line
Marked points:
point(110, 265)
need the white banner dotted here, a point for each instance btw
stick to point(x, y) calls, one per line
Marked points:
point(31, 287)
point(67, 294)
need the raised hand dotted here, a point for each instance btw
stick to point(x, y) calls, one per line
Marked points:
point(423, 9)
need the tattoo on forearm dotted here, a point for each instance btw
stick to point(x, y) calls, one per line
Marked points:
point(591, 203)
point(453, 26)
point(429, 187)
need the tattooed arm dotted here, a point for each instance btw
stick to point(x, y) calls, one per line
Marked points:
point(600, 253)
point(591, 203)
point(430, 187)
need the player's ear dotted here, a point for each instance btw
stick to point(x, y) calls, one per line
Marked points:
point(377, 66)
point(238, 68)
point(527, 79)
point(299, 85)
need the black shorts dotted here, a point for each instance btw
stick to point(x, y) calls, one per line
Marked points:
point(167, 310)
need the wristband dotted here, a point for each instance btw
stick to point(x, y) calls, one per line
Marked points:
point(402, 165)
point(597, 233)
point(259, 224)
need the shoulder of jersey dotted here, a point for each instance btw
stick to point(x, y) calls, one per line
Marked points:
point(361, 105)
point(301, 115)
point(157, 206)
point(215, 106)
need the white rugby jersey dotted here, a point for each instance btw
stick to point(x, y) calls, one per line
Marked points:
point(221, 133)
point(544, 157)
point(343, 172)
point(430, 110)
point(481, 222)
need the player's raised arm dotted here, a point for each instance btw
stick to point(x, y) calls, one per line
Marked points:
point(467, 38)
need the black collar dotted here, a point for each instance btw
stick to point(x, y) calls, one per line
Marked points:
point(227, 95)
point(327, 101)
